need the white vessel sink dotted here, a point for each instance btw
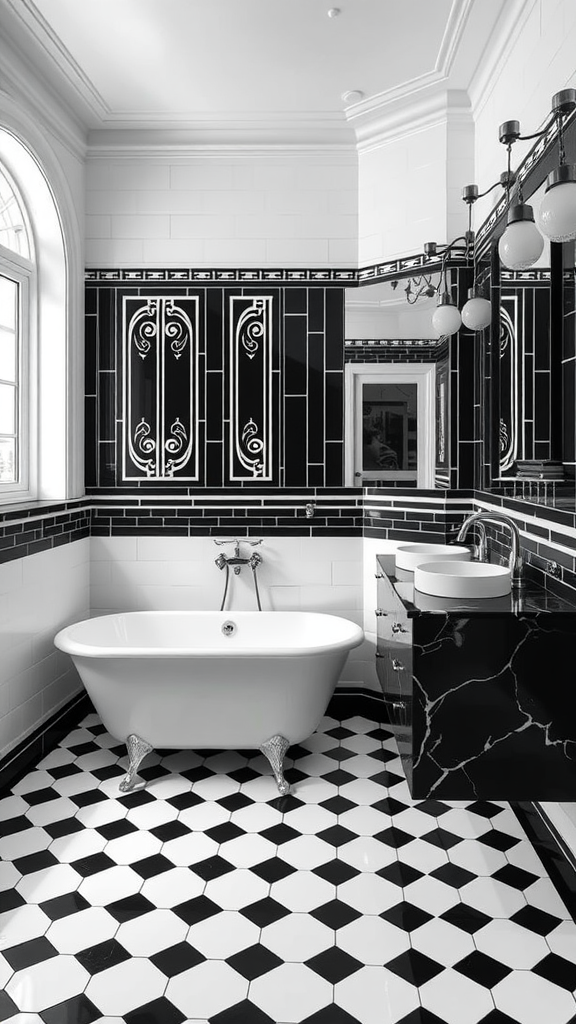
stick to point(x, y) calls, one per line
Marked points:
point(463, 579)
point(408, 556)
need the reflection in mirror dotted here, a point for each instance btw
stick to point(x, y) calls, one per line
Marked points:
point(389, 413)
point(389, 309)
point(389, 431)
point(391, 353)
point(532, 393)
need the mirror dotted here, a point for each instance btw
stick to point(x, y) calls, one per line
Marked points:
point(383, 311)
point(391, 356)
point(532, 386)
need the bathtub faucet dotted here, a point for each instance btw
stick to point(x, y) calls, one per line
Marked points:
point(237, 560)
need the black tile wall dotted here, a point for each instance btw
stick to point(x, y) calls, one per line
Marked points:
point(307, 378)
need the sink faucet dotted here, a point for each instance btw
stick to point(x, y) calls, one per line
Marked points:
point(515, 562)
point(480, 549)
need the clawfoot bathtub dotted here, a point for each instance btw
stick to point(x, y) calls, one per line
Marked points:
point(235, 680)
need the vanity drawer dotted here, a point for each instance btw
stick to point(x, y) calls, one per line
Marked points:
point(393, 626)
point(394, 670)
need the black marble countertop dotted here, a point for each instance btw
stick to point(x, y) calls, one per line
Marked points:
point(531, 599)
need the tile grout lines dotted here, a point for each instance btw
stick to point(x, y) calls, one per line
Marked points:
point(338, 896)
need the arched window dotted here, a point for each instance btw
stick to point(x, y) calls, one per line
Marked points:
point(17, 341)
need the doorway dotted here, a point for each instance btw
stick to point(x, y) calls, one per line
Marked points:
point(390, 417)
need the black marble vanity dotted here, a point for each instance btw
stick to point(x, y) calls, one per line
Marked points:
point(483, 693)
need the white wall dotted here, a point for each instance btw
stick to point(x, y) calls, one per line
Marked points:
point(410, 187)
point(539, 62)
point(294, 209)
point(321, 574)
point(39, 595)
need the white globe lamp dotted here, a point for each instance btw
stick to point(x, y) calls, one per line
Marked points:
point(521, 244)
point(477, 311)
point(446, 318)
point(557, 216)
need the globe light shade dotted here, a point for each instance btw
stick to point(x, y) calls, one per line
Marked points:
point(477, 311)
point(557, 216)
point(521, 244)
point(446, 318)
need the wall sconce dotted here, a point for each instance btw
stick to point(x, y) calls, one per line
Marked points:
point(417, 288)
point(522, 243)
point(477, 310)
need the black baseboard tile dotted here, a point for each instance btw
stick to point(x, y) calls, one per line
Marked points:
point(348, 701)
point(558, 859)
point(22, 758)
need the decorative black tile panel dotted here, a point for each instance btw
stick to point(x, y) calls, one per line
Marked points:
point(301, 339)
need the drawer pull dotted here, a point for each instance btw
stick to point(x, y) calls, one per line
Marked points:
point(397, 627)
point(378, 655)
point(397, 665)
point(379, 613)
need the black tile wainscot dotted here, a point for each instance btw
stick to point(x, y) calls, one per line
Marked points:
point(482, 691)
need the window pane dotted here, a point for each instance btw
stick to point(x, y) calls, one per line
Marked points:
point(7, 355)
point(13, 230)
point(7, 409)
point(8, 302)
point(8, 473)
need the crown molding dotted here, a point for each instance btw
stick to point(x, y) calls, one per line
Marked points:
point(19, 84)
point(432, 106)
point(459, 14)
point(252, 140)
point(503, 39)
point(408, 108)
point(81, 95)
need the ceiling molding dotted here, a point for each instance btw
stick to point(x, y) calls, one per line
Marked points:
point(81, 94)
point(503, 39)
point(409, 108)
point(20, 85)
point(459, 14)
point(435, 106)
point(404, 94)
point(185, 149)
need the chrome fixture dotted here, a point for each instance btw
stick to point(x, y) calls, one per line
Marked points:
point(477, 310)
point(522, 243)
point(274, 749)
point(237, 561)
point(515, 562)
point(417, 288)
point(229, 628)
point(553, 569)
point(310, 510)
point(137, 750)
point(480, 549)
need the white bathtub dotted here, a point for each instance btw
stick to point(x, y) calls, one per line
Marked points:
point(173, 679)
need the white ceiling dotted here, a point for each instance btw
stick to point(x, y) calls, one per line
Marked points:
point(175, 63)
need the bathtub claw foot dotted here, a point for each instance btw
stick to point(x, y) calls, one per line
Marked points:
point(137, 750)
point(274, 749)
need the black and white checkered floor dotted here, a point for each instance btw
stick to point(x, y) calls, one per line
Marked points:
point(207, 898)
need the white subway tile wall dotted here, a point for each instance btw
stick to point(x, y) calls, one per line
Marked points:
point(321, 574)
point(39, 595)
point(299, 210)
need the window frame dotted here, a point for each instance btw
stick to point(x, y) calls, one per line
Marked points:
point(23, 271)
